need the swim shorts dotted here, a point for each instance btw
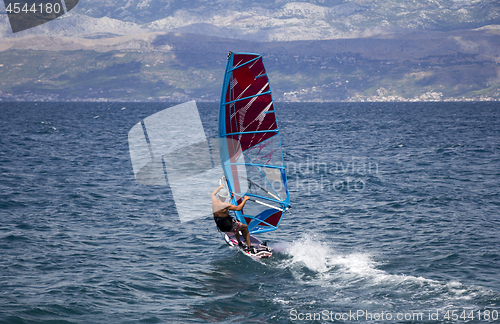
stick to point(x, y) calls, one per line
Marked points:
point(227, 224)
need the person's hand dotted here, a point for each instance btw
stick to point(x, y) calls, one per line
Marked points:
point(246, 198)
point(220, 186)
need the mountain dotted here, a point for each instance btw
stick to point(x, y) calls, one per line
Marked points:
point(276, 20)
point(315, 50)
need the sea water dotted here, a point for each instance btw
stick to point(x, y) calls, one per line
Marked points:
point(394, 219)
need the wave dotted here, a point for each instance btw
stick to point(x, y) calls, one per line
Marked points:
point(355, 279)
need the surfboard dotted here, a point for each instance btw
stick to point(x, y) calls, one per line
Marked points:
point(263, 251)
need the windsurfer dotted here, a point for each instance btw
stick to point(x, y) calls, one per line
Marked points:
point(224, 221)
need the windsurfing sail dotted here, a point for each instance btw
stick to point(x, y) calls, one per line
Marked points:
point(250, 145)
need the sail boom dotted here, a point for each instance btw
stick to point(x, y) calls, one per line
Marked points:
point(267, 205)
point(280, 202)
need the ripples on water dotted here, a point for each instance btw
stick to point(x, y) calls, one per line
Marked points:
point(395, 210)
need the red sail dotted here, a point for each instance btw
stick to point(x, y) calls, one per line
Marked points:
point(256, 112)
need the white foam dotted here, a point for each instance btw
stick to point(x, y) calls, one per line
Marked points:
point(351, 270)
point(311, 252)
point(281, 301)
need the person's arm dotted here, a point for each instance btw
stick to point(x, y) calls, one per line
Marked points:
point(240, 206)
point(212, 196)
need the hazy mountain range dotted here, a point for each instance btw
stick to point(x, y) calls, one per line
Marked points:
point(278, 20)
point(314, 50)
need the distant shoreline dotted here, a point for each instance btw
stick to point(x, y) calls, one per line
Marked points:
point(276, 101)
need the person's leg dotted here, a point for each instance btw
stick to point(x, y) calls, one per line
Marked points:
point(246, 234)
point(237, 235)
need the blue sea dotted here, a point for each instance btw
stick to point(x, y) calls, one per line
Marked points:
point(395, 219)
